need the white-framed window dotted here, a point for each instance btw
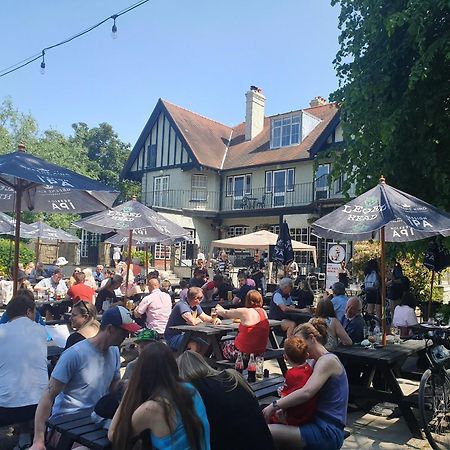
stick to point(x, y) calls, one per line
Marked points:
point(285, 131)
point(199, 188)
point(285, 180)
point(237, 230)
point(165, 250)
point(322, 191)
point(161, 191)
point(238, 185)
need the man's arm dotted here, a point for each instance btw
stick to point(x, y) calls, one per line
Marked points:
point(43, 412)
point(190, 319)
point(205, 318)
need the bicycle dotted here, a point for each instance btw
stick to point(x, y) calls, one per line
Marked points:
point(434, 390)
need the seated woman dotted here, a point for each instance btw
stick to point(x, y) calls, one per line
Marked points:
point(224, 393)
point(304, 295)
point(79, 290)
point(329, 382)
point(107, 295)
point(405, 314)
point(84, 321)
point(335, 330)
point(254, 328)
point(159, 407)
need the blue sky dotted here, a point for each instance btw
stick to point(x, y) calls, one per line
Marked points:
point(200, 54)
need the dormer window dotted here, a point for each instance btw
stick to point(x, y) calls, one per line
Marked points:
point(285, 131)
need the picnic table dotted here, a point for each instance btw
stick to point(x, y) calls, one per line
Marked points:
point(385, 360)
point(80, 428)
point(213, 334)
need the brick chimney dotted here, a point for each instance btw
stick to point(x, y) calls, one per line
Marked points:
point(318, 101)
point(254, 112)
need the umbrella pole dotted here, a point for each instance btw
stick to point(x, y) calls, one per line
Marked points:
point(17, 235)
point(383, 286)
point(127, 278)
point(146, 260)
point(431, 294)
point(57, 248)
point(38, 249)
point(165, 258)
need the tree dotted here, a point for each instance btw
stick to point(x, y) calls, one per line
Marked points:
point(108, 153)
point(394, 76)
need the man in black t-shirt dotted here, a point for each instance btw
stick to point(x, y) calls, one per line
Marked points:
point(257, 269)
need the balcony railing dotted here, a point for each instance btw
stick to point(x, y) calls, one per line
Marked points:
point(257, 198)
point(184, 199)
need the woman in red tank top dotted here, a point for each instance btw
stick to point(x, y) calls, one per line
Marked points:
point(254, 327)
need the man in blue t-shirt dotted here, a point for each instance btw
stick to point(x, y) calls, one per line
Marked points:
point(187, 312)
point(339, 300)
point(85, 372)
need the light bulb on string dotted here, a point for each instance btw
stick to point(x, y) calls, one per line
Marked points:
point(114, 28)
point(43, 63)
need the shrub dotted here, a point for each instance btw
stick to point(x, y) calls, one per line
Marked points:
point(26, 255)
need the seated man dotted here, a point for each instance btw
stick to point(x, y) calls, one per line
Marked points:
point(198, 280)
point(211, 288)
point(38, 273)
point(157, 306)
point(98, 275)
point(84, 373)
point(244, 288)
point(282, 307)
point(54, 286)
point(23, 367)
point(339, 300)
point(353, 321)
point(187, 312)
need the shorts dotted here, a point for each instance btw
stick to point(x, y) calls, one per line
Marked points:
point(321, 434)
point(373, 297)
point(11, 416)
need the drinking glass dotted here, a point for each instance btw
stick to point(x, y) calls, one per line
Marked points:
point(194, 313)
point(396, 334)
point(372, 340)
point(214, 314)
point(439, 318)
point(259, 367)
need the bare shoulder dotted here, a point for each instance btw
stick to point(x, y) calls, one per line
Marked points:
point(329, 363)
point(146, 415)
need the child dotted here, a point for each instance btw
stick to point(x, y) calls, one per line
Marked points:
point(295, 353)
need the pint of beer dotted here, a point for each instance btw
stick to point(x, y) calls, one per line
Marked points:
point(214, 314)
point(230, 296)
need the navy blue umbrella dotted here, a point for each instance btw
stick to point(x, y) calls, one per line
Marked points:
point(402, 216)
point(38, 185)
point(386, 214)
point(283, 252)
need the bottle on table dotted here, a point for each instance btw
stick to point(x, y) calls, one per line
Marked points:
point(377, 334)
point(251, 369)
point(239, 364)
point(259, 367)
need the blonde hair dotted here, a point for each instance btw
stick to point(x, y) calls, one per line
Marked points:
point(192, 366)
point(316, 327)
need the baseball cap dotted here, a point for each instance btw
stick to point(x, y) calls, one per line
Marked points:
point(118, 316)
point(147, 335)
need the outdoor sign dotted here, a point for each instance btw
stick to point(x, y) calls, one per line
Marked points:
point(336, 253)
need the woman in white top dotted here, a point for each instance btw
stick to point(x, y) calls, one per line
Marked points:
point(405, 313)
point(335, 330)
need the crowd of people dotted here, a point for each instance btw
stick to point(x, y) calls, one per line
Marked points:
point(180, 404)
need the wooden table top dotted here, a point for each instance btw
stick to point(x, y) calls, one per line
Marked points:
point(210, 328)
point(387, 355)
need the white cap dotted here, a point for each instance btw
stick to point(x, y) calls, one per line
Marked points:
point(201, 256)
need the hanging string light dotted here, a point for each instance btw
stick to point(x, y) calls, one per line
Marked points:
point(114, 27)
point(43, 63)
point(41, 55)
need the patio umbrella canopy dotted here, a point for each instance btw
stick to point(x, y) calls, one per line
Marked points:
point(44, 232)
point(283, 252)
point(43, 186)
point(261, 240)
point(386, 214)
point(136, 219)
point(8, 226)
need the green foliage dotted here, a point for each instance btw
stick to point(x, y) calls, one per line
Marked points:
point(26, 255)
point(97, 153)
point(138, 254)
point(445, 309)
point(394, 76)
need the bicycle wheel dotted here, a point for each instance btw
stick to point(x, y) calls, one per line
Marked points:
point(434, 408)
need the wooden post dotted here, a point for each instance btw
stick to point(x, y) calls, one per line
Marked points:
point(430, 300)
point(383, 286)
point(146, 260)
point(17, 235)
point(38, 249)
point(127, 277)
